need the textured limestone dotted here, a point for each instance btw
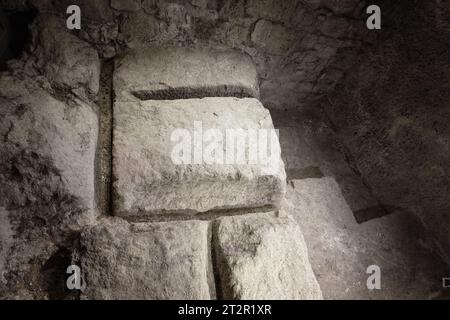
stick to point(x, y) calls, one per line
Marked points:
point(283, 52)
point(44, 138)
point(147, 180)
point(165, 260)
point(48, 138)
point(46, 184)
point(66, 60)
point(273, 38)
point(139, 27)
point(184, 73)
point(263, 257)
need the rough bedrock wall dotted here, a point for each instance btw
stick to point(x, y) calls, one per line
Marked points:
point(301, 47)
point(48, 140)
point(393, 112)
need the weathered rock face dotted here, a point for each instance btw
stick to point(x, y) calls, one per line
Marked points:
point(46, 180)
point(159, 165)
point(49, 134)
point(293, 44)
point(290, 43)
point(44, 136)
point(177, 73)
point(263, 257)
point(164, 260)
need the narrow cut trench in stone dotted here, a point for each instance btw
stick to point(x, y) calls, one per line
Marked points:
point(104, 150)
point(214, 261)
point(192, 93)
point(209, 215)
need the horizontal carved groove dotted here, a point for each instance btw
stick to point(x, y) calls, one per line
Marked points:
point(192, 93)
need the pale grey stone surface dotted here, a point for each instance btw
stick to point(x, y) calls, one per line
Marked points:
point(263, 257)
point(184, 73)
point(44, 136)
point(46, 184)
point(162, 260)
point(147, 181)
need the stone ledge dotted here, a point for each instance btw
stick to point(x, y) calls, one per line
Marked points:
point(176, 73)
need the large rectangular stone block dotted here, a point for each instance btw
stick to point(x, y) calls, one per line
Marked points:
point(163, 260)
point(263, 257)
point(177, 73)
point(178, 156)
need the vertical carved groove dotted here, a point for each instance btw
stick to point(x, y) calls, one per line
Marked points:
point(104, 156)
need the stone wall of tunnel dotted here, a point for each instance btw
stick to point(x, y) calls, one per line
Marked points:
point(391, 111)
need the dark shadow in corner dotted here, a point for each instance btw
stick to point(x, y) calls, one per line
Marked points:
point(54, 276)
point(15, 34)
